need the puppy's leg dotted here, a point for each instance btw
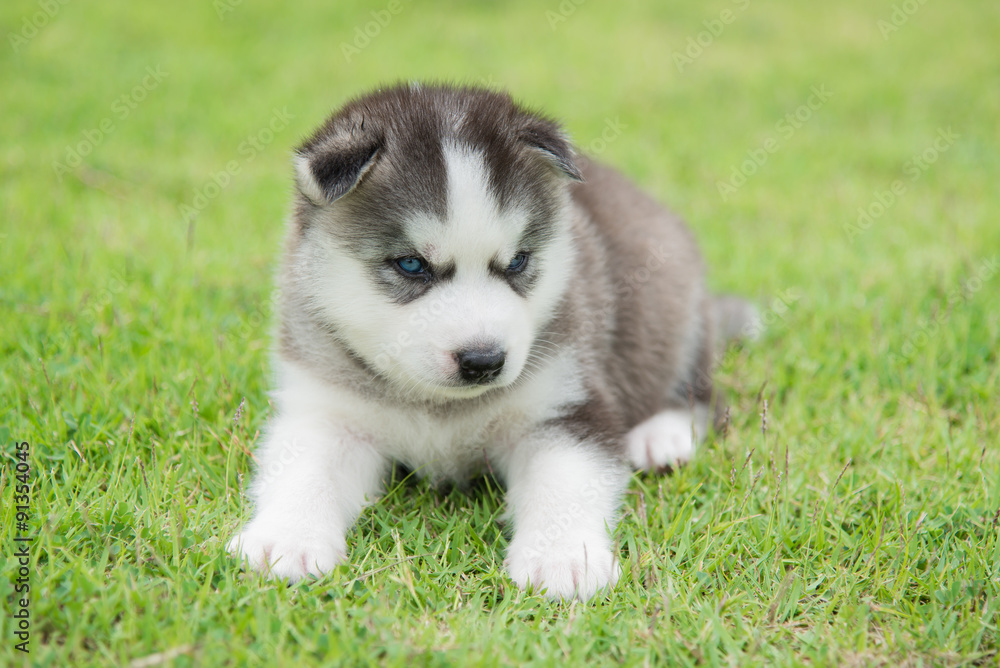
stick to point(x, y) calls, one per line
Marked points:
point(312, 482)
point(668, 439)
point(563, 495)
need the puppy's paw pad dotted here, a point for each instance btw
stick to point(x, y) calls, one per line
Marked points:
point(564, 572)
point(285, 554)
point(662, 443)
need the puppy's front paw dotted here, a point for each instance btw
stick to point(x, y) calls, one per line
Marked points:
point(570, 569)
point(663, 442)
point(279, 550)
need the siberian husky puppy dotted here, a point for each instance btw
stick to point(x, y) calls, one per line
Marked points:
point(461, 292)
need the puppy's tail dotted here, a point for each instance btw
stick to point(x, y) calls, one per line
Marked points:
point(735, 319)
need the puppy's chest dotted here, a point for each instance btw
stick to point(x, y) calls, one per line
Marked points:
point(447, 447)
point(455, 445)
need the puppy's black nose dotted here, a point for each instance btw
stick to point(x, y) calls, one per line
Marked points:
point(479, 365)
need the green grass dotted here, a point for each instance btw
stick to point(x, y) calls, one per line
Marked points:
point(859, 528)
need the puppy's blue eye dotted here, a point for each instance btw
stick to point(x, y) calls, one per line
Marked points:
point(411, 265)
point(517, 264)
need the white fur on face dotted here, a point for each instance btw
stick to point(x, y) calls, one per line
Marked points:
point(415, 344)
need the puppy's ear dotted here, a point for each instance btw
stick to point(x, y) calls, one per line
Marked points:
point(327, 172)
point(548, 139)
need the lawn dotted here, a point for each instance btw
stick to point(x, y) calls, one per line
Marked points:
point(839, 164)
